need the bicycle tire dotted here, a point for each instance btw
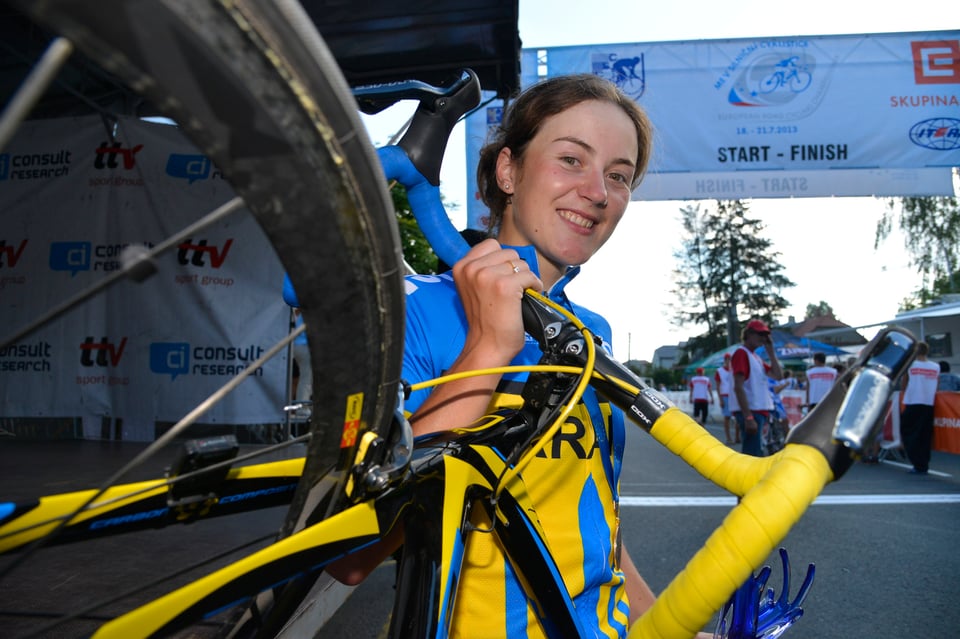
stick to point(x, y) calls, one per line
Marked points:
point(255, 88)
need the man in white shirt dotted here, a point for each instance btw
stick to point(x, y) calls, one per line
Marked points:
point(751, 401)
point(916, 420)
point(700, 396)
point(820, 380)
point(724, 379)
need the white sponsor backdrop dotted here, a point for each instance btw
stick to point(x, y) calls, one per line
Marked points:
point(777, 117)
point(72, 197)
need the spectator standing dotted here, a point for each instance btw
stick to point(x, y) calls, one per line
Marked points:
point(724, 379)
point(947, 381)
point(701, 396)
point(751, 401)
point(820, 379)
point(916, 420)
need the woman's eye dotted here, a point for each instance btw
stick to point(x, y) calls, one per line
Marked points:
point(569, 159)
point(619, 177)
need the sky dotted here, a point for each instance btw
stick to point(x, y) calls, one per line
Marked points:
point(826, 245)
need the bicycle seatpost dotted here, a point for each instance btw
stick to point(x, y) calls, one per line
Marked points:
point(849, 418)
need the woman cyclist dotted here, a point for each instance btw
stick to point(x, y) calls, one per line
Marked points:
point(557, 178)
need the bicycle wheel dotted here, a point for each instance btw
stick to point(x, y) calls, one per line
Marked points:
point(255, 89)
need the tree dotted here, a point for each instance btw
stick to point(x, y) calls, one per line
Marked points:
point(416, 250)
point(931, 230)
point(726, 270)
point(818, 310)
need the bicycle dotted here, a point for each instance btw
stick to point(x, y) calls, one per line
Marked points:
point(787, 73)
point(361, 469)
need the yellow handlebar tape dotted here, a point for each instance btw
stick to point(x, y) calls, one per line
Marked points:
point(789, 483)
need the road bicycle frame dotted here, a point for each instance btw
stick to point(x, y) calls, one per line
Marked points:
point(434, 486)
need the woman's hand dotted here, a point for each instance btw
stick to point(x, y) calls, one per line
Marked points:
point(491, 280)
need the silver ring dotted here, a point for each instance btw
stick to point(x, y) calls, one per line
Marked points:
point(516, 269)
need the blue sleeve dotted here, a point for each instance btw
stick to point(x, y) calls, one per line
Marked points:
point(289, 295)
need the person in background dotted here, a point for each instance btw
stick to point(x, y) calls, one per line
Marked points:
point(916, 419)
point(947, 381)
point(724, 379)
point(701, 396)
point(303, 393)
point(820, 379)
point(751, 402)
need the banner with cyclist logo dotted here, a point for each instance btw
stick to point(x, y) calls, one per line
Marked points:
point(76, 193)
point(850, 115)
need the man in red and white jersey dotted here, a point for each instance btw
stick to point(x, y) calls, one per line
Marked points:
point(820, 379)
point(916, 420)
point(751, 401)
point(700, 396)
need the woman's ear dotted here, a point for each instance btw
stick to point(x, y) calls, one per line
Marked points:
point(506, 171)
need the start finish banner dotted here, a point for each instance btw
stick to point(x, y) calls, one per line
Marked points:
point(779, 117)
point(74, 195)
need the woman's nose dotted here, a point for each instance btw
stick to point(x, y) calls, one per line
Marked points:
point(594, 188)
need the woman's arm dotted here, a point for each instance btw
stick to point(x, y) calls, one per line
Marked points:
point(491, 292)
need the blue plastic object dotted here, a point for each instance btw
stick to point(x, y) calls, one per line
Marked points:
point(752, 614)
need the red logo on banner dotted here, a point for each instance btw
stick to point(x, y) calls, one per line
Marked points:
point(10, 255)
point(936, 61)
point(103, 353)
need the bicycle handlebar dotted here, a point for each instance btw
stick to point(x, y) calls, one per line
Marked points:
point(775, 491)
point(415, 162)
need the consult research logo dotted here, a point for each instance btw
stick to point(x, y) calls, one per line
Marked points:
point(205, 360)
point(939, 134)
point(70, 256)
point(33, 165)
point(86, 256)
point(170, 358)
point(190, 167)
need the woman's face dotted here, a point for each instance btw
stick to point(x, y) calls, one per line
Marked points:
point(572, 186)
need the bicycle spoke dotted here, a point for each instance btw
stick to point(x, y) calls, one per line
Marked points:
point(33, 87)
point(136, 266)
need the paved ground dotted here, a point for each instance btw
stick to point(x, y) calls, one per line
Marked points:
point(884, 542)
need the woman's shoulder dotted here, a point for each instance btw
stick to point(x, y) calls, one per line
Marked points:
point(429, 288)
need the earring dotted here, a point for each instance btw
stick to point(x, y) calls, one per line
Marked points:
point(506, 186)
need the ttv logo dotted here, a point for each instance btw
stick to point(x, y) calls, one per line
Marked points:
point(936, 61)
point(70, 256)
point(189, 167)
point(170, 358)
point(10, 255)
point(217, 255)
point(107, 156)
point(107, 354)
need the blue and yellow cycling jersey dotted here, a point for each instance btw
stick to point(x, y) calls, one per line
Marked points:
point(573, 483)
